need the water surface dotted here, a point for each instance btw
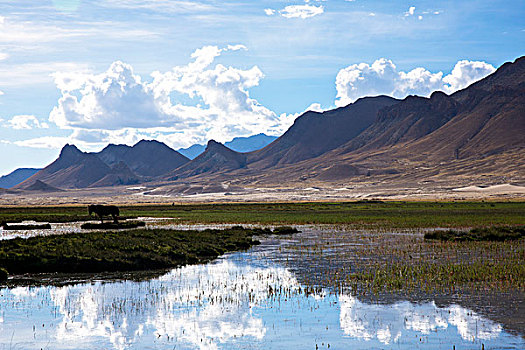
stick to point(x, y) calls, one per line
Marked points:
point(244, 300)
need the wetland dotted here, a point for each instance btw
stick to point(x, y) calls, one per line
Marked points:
point(357, 275)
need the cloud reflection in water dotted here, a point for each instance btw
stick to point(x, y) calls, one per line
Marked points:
point(231, 303)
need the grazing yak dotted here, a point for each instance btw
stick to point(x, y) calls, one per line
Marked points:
point(104, 210)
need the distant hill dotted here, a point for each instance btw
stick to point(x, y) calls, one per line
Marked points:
point(250, 143)
point(238, 144)
point(193, 151)
point(17, 176)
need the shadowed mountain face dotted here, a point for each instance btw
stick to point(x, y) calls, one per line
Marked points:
point(146, 158)
point(313, 133)
point(16, 177)
point(216, 158)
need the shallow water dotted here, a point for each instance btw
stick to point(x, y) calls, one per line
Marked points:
point(244, 300)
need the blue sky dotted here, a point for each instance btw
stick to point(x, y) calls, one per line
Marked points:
point(182, 72)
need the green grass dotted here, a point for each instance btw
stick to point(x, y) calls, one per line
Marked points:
point(493, 234)
point(119, 251)
point(357, 214)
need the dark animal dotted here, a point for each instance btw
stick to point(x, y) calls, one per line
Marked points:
point(104, 210)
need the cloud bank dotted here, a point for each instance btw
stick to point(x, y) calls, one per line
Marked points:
point(383, 78)
point(188, 104)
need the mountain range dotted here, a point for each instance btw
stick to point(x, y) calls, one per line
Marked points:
point(475, 133)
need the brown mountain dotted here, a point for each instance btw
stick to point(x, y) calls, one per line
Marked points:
point(146, 158)
point(477, 131)
point(314, 134)
point(217, 158)
point(120, 174)
point(72, 169)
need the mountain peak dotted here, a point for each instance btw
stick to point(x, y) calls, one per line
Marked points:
point(69, 150)
point(214, 144)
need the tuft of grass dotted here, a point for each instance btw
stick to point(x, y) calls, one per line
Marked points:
point(492, 234)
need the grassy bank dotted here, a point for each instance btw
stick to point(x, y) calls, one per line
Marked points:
point(358, 214)
point(119, 251)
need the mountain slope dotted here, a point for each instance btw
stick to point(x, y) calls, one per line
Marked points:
point(17, 176)
point(146, 158)
point(313, 133)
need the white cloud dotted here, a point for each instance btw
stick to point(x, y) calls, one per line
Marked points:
point(411, 11)
point(50, 142)
point(3, 56)
point(19, 122)
point(383, 78)
point(301, 11)
point(192, 103)
point(1, 92)
point(269, 12)
point(466, 72)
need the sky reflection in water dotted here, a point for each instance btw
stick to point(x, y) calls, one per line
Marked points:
point(237, 302)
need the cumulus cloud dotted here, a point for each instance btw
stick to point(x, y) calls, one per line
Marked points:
point(411, 11)
point(301, 11)
point(383, 78)
point(269, 12)
point(19, 122)
point(466, 72)
point(190, 103)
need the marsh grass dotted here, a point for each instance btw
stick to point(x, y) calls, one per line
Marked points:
point(493, 233)
point(374, 262)
point(139, 249)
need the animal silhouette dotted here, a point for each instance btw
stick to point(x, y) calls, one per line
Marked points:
point(104, 210)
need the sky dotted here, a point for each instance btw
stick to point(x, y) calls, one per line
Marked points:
point(182, 72)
